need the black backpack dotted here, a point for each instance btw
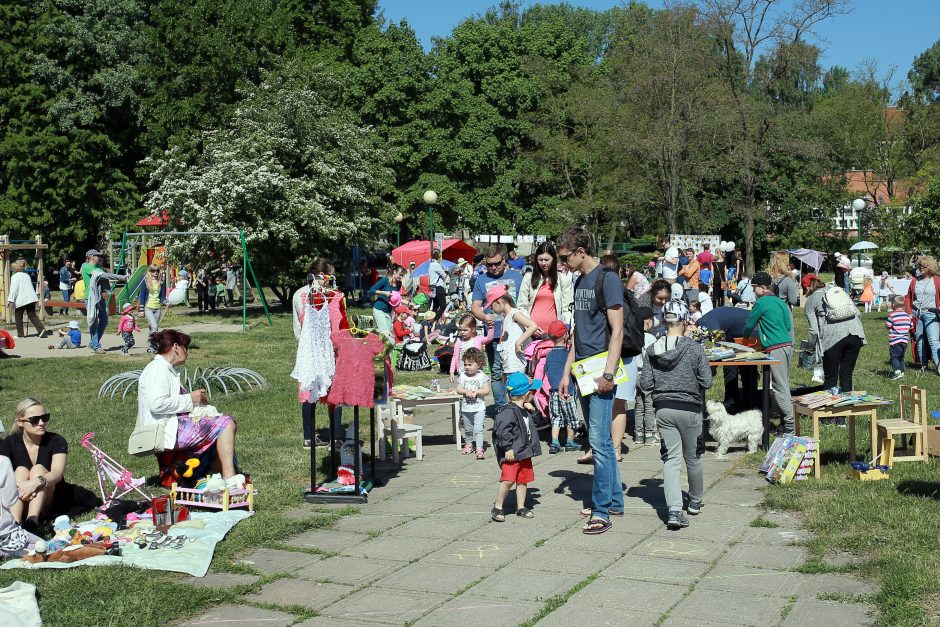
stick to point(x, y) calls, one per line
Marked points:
point(632, 323)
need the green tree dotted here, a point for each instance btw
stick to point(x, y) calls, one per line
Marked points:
point(299, 176)
point(923, 223)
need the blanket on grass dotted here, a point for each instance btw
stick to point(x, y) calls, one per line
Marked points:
point(208, 528)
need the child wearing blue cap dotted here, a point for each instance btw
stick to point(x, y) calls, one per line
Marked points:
point(516, 442)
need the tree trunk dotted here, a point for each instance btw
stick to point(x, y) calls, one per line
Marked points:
point(749, 239)
point(282, 293)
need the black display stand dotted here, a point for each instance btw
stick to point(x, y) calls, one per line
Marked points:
point(311, 496)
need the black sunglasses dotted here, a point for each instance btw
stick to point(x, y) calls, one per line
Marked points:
point(35, 420)
point(494, 264)
point(564, 258)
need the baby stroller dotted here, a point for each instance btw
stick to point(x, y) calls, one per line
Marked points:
point(111, 472)
point(414, 357)
point(535, 353)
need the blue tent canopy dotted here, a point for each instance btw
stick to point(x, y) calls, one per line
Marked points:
point(422, 270)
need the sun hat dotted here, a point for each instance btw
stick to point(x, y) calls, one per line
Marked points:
point(428, 315)
point(557, 328)
point(675, 311)
point(762, 278)
point(127, 307)
point(461, 262)
point(73, 324)
point(494, 293)
point(518, 384)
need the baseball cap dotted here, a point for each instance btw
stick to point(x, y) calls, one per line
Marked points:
point(402, 309)
point(493, 293)
point(675, 311)
point(127, 307)
point(94, 252)
point(557, 328)
point(518, 384)
point(73, 324)
point(762, 279)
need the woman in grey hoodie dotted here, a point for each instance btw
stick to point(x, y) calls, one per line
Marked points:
point(676, 374)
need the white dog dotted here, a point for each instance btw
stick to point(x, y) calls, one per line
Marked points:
point(730, 428)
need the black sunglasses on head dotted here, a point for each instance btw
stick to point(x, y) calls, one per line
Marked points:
point(35, 420)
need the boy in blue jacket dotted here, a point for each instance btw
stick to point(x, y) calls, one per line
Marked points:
point(516, 442)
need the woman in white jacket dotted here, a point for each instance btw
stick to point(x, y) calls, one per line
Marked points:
point(161, 398)
point(23, 299)
point(545, 294)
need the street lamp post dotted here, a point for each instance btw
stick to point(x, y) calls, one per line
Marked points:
point(858, 205)
point(430, 199)
point(398, 220)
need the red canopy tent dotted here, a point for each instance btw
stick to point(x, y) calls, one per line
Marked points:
point(419, 251)
point(162, 219)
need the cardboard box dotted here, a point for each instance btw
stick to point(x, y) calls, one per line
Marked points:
point(933, 440)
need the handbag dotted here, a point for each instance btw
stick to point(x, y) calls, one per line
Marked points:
point(147, 440)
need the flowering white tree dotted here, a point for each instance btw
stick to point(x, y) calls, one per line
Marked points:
point(298, 176)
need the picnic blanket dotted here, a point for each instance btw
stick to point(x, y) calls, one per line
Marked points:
point(208, 528)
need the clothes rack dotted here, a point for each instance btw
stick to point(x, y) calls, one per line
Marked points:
point(312, 496)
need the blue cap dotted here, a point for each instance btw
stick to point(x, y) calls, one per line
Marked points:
point(518, 384)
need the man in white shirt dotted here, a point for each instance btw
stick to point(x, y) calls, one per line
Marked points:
point(671, 264)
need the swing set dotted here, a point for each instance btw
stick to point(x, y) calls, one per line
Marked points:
point(129, 294)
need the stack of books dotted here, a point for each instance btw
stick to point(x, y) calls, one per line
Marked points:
point(815, 400)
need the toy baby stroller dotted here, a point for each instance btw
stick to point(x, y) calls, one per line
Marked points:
point(109, 471)
point(413, 357)
point(535, 353)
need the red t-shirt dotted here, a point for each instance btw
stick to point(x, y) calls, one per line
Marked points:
point(355, 369)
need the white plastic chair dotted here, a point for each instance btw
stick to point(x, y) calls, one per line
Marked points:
point(392, 426)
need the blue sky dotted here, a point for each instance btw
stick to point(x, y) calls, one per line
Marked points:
point(891, 32)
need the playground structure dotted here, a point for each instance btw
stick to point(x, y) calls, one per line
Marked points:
point(131, 291)
point(8, 246)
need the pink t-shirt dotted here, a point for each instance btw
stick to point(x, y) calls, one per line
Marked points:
point(543, 307)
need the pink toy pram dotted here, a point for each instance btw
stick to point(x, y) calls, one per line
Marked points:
point(111, 472)
point(535, 354)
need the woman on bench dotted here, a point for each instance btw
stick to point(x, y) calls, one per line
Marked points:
point(161, 398)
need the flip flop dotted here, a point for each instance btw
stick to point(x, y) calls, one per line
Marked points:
point(524, 512)
point(595, 527)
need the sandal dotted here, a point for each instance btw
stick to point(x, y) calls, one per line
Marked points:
point(596, 526)
point(497, 515)
point(587, 458)
point(467, 449)
point(480, 453)
point(587, 511)
point(524, 512)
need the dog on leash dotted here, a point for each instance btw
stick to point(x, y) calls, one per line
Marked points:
point(730, 428)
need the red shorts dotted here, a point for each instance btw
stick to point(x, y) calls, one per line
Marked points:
point(518, 472)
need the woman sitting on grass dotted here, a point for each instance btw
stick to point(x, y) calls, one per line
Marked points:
point(38, 459)
point(161, 397)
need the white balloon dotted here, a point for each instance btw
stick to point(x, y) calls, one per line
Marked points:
point(730, 246)
point(177, 295)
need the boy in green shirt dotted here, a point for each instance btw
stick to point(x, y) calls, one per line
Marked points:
point(771, 317)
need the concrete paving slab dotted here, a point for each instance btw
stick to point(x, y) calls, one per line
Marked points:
point(780, 558)
point(450, 527)
point(310, 594)
point(809, 611)
point(516, 583)
point(425, 576)
point(576, 614)
point(702, 529)
point(645, 597)
point(387, 606)
point(705, 606)
point(349, 570)
point(329, 621)
point(850, 585)
point(277, 561)
point(582, 563)
point(660, 570)
point(372, 523)
point(240, 614)
point(327, 539)
point(396, 547)
point(482, 611)
point(675, 545)
point(473, 552)
point(764, 536)
point(745, 581)
point(404, 507)
point(221, 580)
point(573, 540)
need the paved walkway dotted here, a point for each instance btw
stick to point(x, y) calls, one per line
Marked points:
point(424, 551)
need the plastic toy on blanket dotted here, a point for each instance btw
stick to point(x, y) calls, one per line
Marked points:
point(111, 472)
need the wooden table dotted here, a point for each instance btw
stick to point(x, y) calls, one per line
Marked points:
point(850, 413)
point(450, 400)
point(765, 364)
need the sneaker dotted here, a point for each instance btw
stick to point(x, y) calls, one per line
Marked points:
point(639, 439)
point(572, 446)
point(694, 508)
point(467, 449)
point(479, 453)
point(677, 520)
point(51, 347)
point(306, 443)
point(897, 375)
point(555, 447)
point(652, 438)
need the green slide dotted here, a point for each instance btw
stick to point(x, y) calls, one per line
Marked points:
point(129, 292)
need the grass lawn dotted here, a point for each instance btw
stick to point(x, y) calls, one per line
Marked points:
point(892, 525)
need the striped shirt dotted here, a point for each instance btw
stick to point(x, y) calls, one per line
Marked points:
point(899, 327)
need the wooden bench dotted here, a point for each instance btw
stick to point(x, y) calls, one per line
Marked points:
point(62, 304)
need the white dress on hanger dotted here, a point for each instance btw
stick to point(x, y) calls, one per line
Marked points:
point(316, 363)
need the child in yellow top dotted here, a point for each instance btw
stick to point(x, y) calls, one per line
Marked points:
point(868, 294)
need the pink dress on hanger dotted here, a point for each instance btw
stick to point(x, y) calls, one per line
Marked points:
point(355, 360)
